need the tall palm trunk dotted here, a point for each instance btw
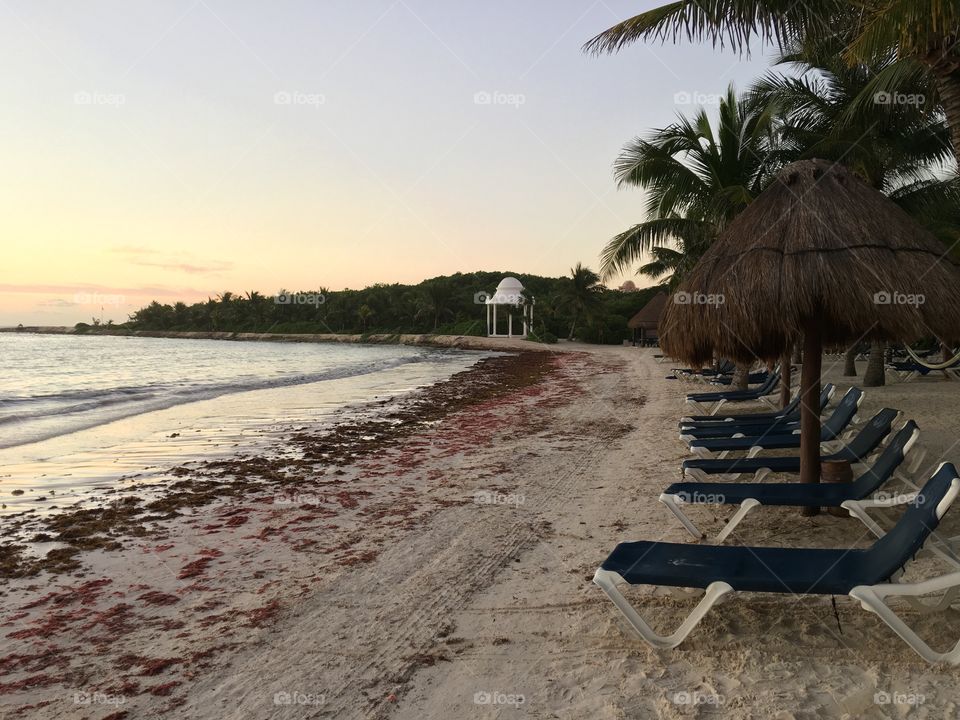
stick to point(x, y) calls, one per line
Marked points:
point(875, 375)
point(850, 361)
point(741, 377)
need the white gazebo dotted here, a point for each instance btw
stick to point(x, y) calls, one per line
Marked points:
point(509, 294)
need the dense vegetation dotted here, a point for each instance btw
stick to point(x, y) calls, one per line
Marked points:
point(573, 306)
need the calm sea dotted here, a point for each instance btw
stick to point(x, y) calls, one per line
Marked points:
point(53, 385)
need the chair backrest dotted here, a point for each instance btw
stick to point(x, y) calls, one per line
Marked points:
point(770, 383)
point(842, 415)
point(894, 550)
point(869, 438)
point(888, 461)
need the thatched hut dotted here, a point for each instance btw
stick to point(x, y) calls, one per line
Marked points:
point(819, 255)
point(645, 323)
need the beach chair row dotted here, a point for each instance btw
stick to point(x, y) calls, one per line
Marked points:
point(882, 451)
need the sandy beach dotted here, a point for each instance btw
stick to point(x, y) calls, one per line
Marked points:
point(443, 570)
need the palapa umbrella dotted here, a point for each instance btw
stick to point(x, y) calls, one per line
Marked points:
point(820, 255)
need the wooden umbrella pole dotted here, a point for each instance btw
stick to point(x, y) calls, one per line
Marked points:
point(810, 409)
point(785, 362)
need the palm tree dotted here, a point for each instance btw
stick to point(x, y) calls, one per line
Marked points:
point(697, 179)
point(582, 295)
point(364, 313)
point(899, 152)
point(921, 33)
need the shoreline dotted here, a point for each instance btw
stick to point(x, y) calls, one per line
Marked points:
point(458, 342)
point(153, 597)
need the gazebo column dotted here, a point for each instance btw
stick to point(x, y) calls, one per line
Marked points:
point(810, 408)
point(494, 320)
point(488, 319)
point(510, 324)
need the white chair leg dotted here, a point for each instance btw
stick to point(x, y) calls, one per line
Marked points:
point(745, 507)
point(761, 474)
point(673, 502)
point(871, 598)
point(607, 580)
point(716, 408)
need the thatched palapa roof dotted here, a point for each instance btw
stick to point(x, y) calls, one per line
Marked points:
point(648, 317)
point(818, 248)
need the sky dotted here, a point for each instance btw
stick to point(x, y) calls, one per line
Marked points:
point(175, 150)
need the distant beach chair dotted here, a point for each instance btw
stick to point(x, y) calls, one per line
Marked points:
point(852, 496)
point(832, 428)
point(785, 421)
point(868, 575)
point(861, 446)
point(734, 396)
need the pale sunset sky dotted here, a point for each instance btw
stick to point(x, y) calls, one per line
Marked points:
point(174, 150)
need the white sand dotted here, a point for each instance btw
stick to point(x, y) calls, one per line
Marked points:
point(434, 605)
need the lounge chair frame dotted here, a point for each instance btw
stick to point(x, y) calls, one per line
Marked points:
point(871, 598)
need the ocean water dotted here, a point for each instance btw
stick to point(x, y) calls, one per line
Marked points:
point(79, 414)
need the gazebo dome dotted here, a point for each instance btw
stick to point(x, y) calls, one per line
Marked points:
point(508, 292)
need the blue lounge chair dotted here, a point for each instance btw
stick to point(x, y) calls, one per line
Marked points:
point(696, 420)
point(788, 437)
point(751, 495)
point(720, 398)
point(787, 422)
point(752, 379)
point(856, 450)
point(867, 575)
